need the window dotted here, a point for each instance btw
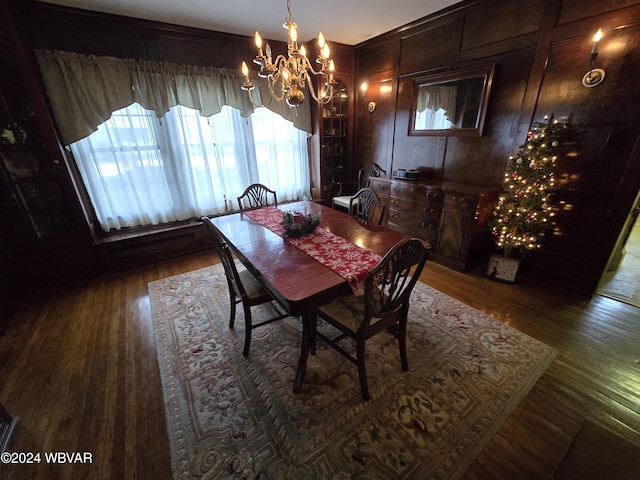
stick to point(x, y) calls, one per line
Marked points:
point(141, 170)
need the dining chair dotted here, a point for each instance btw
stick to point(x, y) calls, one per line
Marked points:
point(367, 207)
point(384, 306)
point(243, 287)
point(256, 196)
point(364, 174)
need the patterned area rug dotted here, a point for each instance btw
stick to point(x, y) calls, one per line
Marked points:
point(234, 417)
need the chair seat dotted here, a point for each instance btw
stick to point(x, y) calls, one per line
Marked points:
point(349, 309)
point(252, 287)
point(342, 201)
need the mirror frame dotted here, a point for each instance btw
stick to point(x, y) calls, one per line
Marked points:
point(484, 71)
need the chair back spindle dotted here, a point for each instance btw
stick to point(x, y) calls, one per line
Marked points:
point(367, 207)
point(257, 196)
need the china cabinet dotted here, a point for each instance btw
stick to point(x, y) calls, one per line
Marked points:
point(32, 198)
point(44, 234)
point(334, 141)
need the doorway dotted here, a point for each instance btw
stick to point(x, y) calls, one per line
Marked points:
point(621, 280)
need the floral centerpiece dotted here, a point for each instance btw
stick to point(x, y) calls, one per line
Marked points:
point(297, 224)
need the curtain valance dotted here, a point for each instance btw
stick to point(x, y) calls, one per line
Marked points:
point(84, 90)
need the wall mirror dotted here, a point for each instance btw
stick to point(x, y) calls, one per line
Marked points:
point(451, 103)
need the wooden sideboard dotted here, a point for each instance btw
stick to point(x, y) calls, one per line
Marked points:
point(452, 217)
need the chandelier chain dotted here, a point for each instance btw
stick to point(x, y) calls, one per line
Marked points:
point(289, 18)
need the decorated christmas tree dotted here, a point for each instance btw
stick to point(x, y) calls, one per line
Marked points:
point(523, 212)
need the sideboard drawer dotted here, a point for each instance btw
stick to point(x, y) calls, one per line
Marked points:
point(408, 190)
point(405, 205)
point(431, 211)
point(381, 186)
point(412, 224)
point(460, 200)
point(434, 194)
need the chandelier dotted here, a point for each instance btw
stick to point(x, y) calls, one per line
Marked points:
point(288, 76)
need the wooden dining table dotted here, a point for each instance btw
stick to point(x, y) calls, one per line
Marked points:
point(296, 280)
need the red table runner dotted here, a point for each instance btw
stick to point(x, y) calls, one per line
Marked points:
point(345, 258)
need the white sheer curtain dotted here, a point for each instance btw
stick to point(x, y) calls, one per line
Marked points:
point(141, 170)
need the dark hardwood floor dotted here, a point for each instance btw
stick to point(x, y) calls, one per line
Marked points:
point(78, 366)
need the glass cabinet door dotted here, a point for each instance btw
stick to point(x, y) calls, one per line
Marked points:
point(334, 144)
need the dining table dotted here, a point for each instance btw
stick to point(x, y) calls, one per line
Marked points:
point(295, 276)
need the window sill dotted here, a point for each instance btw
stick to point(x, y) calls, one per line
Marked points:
point(133, 233)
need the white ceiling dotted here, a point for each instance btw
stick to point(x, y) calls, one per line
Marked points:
point(343, 21)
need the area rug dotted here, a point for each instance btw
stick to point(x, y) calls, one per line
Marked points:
point(230, 416)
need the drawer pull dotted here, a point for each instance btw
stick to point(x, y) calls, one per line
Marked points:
point(394, 203)
point(394, 216)
point(428, 226)
point(458, 200)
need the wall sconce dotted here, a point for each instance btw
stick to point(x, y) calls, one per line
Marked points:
point(594, 76)
point(371, 106)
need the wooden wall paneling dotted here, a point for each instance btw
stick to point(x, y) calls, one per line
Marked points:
point(427, 49)
point(489, 50)
point(343, 57)
point(377, 57)
point(466, 159)
point(223, 51)
point(482, 160)
point(514, 18)
point(116, 254)
point(376, 65)
point(374, 142)
point(313, 148)
point(48, 26)
point(592, 206)
point(62, 28)
point(583, 9)
point(536, 73)
point(414, 152)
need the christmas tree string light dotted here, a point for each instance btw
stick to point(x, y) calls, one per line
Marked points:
point(523, 212)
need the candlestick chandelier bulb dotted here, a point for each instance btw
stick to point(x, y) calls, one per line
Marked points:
point(287, 77)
